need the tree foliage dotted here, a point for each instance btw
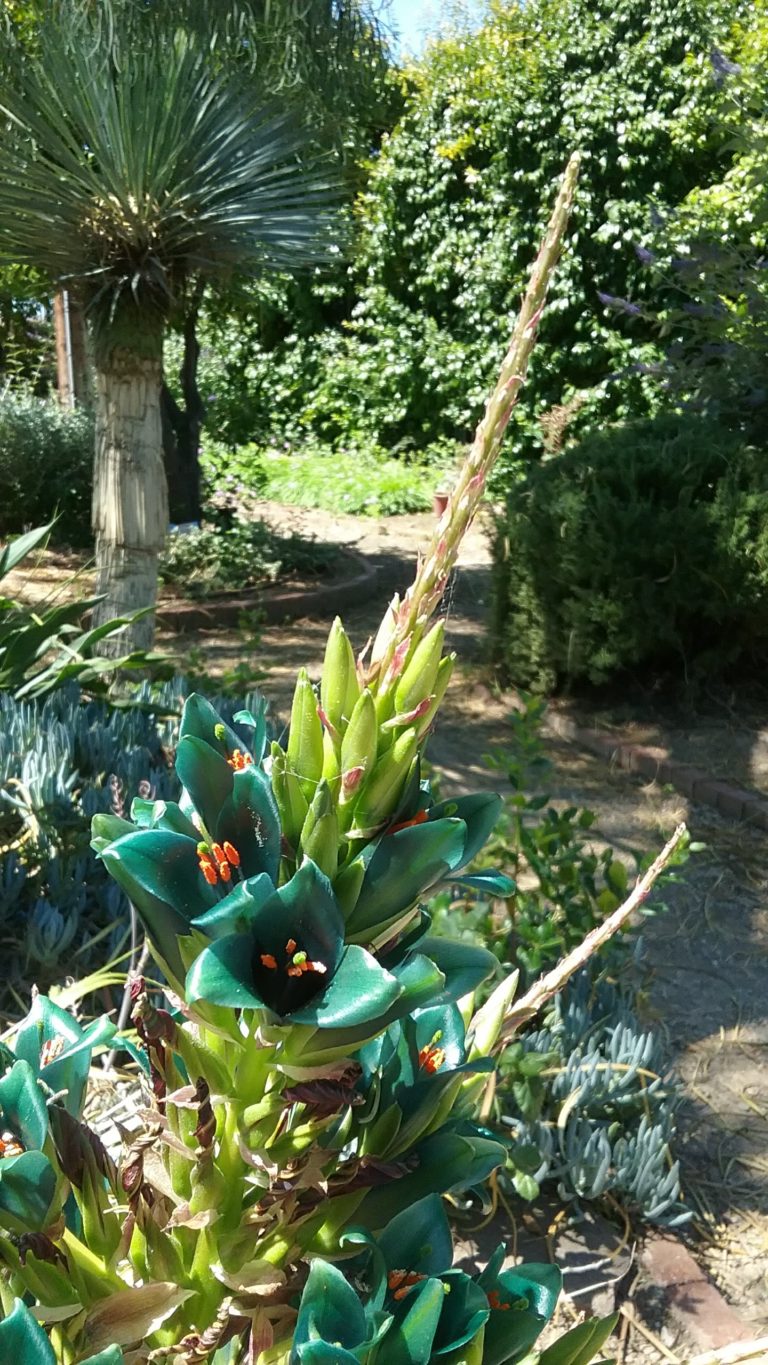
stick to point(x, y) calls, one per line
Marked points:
point(452, 209)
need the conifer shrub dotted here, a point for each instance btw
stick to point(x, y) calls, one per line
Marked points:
point(643, 549)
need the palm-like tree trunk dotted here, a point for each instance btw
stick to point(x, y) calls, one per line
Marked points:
point(130, 499)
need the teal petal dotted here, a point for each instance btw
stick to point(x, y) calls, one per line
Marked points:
point(533, 1291)
point(488, 883)
point(206, 777)
point(22, 1339)
point(199, 720)
point(257, 724)
point(409, 1339)
point(160, 874)
point(162, 815)
point(464, 966)
point(404, 867)
point(480, 813)
point(249, 820)
point(27, 1191)
point(223, 975)
point(106, 828)
point(465, 1313)
point(112, 1356)
point(419, 1239)
point(359, 992)
point(236, 912)
point(329, 1312)
point(23, 1108)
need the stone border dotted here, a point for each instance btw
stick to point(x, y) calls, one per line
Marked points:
point(274, 605)
point(729, 799)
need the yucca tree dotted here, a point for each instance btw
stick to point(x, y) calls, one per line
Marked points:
point(138, 155)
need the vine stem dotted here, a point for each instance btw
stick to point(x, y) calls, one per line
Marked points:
point(433, 570)
point(547, 986)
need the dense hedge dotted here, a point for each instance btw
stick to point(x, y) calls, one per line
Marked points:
point(643, 548)
point(46, 466)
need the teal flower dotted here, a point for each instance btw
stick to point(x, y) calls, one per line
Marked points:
point(27, 1178)
point(59, 1050)
point(288, 956)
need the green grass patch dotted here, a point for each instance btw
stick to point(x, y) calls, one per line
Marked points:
point(359, 482)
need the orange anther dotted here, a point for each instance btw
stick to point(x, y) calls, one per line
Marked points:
point(238, 760)
point(290, 946)
point(267, 960)
point(431, 1059)
point(231, 854)
point(225, 872)
point(209, 871)
point(418, 819)
point(495, 1302)
point(218, 853)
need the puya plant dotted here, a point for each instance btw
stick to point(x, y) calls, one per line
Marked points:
point(318, 1074)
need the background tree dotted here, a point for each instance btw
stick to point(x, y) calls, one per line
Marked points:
point(331, 60)
point(136, 158)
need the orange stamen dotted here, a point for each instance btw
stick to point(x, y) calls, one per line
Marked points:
point(225, 872)
point(231, 854)
point(268, 960)
point(218, 853)
point(400, 1281)
point(418, 819)
point(238, 760)
point(208, 871)
point(290, 946)
point(495, 1302)
point(431, 1059)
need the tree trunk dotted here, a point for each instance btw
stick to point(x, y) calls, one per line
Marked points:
point(181, 431)
point(130, 499)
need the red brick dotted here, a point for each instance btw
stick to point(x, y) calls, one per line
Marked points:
point(648, 759)
point(696, 1303)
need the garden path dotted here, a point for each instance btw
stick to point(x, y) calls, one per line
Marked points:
point(705, 961)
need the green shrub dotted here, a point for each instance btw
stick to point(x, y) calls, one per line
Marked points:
point(643, 548)
point(46, 466)
point(247, 555)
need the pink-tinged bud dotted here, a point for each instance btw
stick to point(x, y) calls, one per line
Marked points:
point(385, 632)
point(408, 717)
point(398, 660)
point(326, 722)
point(350, 780)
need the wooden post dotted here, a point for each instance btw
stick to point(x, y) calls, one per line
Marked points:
point(64, 376)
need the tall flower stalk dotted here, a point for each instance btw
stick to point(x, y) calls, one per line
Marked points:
point(405, 622)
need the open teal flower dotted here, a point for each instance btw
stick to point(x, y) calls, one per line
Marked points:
point(415, 1070)
point(27, 1178)
point(522, 1302)
point(425, 845)
point(287, 955)
point(59, 1050)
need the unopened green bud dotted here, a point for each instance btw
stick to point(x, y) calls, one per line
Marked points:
point(381, 793)
point(320, 835)
point(291, 802)
point(339, 688)
point(305, 739)
point(444, 673)
point(418, 679)
point(331, 759)
point(358, 747)
point(347, 886)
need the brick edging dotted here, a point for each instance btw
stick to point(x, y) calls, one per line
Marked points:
point(274, 606)
point(728, 798)
point(691, 1297)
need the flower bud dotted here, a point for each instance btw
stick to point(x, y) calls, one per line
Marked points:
point(347, 886)
point(291, 802)
point(331, 759)
point(419, 676)
point(305, 739)
point(444, 672)
point(381, 793)
point(339, 688)
point(358, 747)
point(320, 835)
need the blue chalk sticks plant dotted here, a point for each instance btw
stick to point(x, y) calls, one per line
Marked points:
point(320, 1071)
